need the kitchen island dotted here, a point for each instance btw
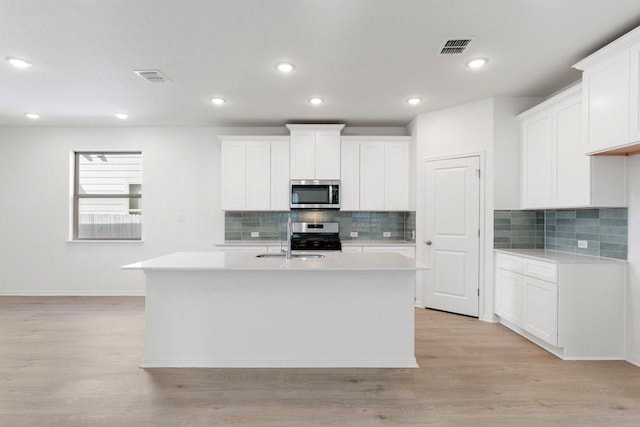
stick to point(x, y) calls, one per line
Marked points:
point(229, 309)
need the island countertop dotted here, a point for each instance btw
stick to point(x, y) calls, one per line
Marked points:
point(245, 261)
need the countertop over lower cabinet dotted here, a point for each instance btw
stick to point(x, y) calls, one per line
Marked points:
point(571, 305)
point(386, 242)
point(559, 257)
point(183, 261)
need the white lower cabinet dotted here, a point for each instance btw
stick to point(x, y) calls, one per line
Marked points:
point(540, 309)
point(571, 305)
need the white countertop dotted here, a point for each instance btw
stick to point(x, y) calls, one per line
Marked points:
point(248, 261)
point(344, 243)
point(559, 257)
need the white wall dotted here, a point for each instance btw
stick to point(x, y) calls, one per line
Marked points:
point(464, 129)
point(180, 177)
point(633, 274)
point(490, 128)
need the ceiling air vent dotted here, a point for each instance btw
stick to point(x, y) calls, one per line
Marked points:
point(152, 76)
point(455, 46)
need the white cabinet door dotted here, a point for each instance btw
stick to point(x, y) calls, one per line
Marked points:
point(573, 176)
point(540, 309)
point(258, 176)
point(372, 176)
point(350, 176)
point(606, 95)
point(280, 176)
point(327, 155)
point(396, 173)
point(303, 154)
point(509, 296)
point(634, 55)
point(537, 161)
point(233, 167)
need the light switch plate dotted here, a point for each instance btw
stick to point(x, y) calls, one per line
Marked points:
point(386, 234)
point(255, 234)
point(583, 244)
point(354, 234)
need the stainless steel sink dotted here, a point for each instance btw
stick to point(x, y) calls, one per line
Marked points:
point(297, 256)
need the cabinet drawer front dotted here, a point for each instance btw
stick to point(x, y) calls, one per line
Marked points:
point(542, 270)
point(508, 262)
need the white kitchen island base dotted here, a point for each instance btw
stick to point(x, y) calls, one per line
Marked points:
point(296, 313)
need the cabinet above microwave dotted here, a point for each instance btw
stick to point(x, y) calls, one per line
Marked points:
point(315, 151)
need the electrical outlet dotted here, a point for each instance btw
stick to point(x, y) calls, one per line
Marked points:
point(583, 244)
point(386, 234)
point(255, 234)
point(354, 234)
point(413, 234)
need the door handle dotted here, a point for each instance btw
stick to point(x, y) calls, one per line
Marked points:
point(427, 242)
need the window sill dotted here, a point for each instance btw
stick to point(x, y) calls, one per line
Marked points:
point(129, 242)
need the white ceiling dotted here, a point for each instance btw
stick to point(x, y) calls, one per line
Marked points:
point(364, 57)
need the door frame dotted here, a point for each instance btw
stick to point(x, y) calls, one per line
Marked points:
point(485, 301)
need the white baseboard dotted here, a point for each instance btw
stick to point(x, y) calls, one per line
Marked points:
point(70, 293)
point(491, 318)
point(633, 359)
point(408, 363)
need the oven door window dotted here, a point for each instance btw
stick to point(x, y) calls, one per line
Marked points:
point(310, 194)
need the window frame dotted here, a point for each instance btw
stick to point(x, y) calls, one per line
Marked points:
point(77, 196)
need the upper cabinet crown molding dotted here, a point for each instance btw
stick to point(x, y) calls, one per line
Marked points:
point(315, 127)
point(613, 48)
point(570, 92)
point(269, 138)
point(611, 95)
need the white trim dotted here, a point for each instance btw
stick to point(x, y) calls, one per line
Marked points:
point(389, 138)
point(408, 363)
point(610, 49)
point(70, 293)
point(268, 138)
point(482, 254)
point(634, 360)
point(315, 127)
point(128, 242)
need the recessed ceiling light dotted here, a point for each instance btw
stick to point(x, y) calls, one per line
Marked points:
point(217, 101)
point(32, 116)
point(121, 116)
point(18, 62)
point(414, 101)
point(477, 63)
point(285, 67)
point(316, 101)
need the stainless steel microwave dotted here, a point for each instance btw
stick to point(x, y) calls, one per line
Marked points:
point(315, 194)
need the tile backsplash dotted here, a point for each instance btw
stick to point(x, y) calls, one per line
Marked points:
point(369, 225)
point(604, 230)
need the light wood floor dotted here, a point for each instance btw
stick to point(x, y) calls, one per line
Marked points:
point(73, 361)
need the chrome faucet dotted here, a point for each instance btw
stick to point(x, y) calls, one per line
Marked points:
point(289, 234)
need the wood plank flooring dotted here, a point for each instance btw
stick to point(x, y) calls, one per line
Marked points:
point(67, 361)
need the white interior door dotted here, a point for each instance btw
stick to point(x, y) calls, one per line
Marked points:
point(452, 227)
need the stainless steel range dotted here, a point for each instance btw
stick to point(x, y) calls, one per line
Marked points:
point(320, 236)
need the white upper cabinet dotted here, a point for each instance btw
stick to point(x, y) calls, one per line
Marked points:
point(254, 173)
point(372, 176)
point(233, 167)
point(315, 151)
point(280, 175)
point(396, 176)
point(555, 171)
point(611, 96)
point(634, 54)
point(350, 176)
point(375, 173)
point(537, 161)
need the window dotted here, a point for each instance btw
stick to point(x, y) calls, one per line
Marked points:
point(107, 199)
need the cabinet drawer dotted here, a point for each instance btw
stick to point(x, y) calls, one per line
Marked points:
point(508, 262)
point(542, 270)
